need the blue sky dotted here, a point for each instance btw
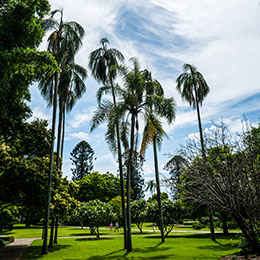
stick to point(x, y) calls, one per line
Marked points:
point(221, 38)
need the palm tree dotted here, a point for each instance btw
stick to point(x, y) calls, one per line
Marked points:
point(103, 63)
point(138, 99)
point(153, 131)
point(71, 88)
point(64, 41)
point(193, 89)
point(151, 186)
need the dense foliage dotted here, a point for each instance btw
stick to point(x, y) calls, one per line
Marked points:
point(98, 186)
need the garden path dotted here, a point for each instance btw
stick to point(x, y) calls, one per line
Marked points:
point(16, 249)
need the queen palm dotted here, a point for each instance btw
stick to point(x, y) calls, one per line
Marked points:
point(64, 41)
point(70, 89)
point(193, 89)
point(138, 99)
point(103, 63)
point(161, 107)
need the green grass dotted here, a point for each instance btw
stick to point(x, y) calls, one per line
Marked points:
point(181, 247)
point(20, 231)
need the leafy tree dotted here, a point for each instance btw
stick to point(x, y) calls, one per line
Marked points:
point(230, 182)
point(63, 203)
point(116, 204)
point(164, 196)
point(138, 212)
point(94, 214)
point(82, 159)
point(21, 64)
point(171, 214)
point(98, 186)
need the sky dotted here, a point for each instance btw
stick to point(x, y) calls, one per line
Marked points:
point(221, 38)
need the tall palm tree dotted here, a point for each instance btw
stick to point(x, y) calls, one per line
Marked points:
point(71, 88)
point(153, 131)
point(138, 99)
point(103, 63)
point(64, 41)
point(193, 89)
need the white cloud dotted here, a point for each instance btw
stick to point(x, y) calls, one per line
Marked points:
point(80, 119)
point(39, 112)
point(78, 135)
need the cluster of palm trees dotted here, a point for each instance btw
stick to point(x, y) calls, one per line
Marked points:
point(61, 90)
point(141, 97)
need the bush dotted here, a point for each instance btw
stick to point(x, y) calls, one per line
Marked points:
point(197, 226)
point(230, 225)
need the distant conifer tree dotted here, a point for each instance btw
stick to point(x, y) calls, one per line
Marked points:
point(82, 158)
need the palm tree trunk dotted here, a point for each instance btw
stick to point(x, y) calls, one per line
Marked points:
point(200, 128)
point(52, 232)
point(59, 133)
point(63, 135)
point(129, 175)
point(46, 221)
point(212, 231)
point(122, 186)
point(56, 230)
point(158, 188)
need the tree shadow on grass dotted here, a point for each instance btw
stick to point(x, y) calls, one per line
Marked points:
point(93, 238)
point(80, 234)
point(218, 247)
point(156, 249)
point(34, 252)
point(201, 235)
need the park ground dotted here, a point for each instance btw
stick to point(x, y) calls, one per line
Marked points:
point(183, 243)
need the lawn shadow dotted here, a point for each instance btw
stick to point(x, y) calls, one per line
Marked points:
point(80, 234)
point(34, 252)
point(125, 255)
point(93, 238)
point(218, 247)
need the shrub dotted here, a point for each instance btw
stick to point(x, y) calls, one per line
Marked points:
point(197, 226)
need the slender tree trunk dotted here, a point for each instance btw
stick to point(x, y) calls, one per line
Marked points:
point(46, 220)
point(56, 231)
point(63, 135)
point(158, 188)
point(211, 224)
point(129, 175)
point(224, 222)
point(212, 231)
point(52, 232)
point(200, 128)
point(59, 133)
point(122, 186)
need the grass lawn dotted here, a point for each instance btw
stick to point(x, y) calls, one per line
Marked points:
point(180, 247)
point(20, 231)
